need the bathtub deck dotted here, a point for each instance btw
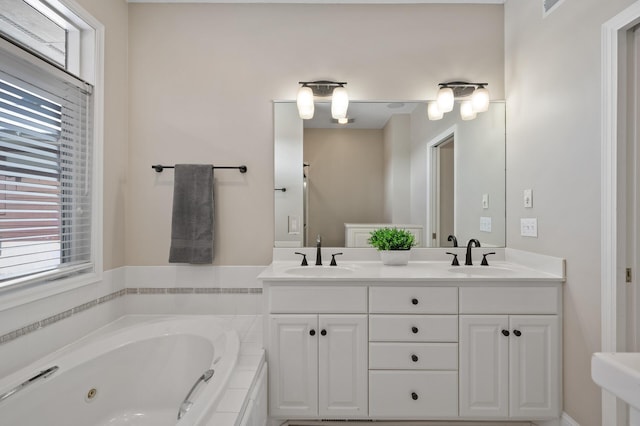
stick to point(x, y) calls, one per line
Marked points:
point(251, 360)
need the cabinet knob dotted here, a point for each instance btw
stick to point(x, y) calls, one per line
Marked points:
point(414, 396)
point(414, 358)
point(414, 301)
point(414, 330)
point(323, 332)
point(517, 333)
point(505, 333)
point(312, 332)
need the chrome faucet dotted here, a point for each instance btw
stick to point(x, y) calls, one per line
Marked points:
point(467, 259)
point(318, 251)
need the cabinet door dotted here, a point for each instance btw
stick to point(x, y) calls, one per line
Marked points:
point(342, 367)
point(534, 376)
point(293, 364)
point(484, 364)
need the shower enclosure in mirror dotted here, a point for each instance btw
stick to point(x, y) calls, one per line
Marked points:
point(390, 166)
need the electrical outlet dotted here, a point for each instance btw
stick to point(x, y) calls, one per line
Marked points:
point(528, 198)
point(529, 227)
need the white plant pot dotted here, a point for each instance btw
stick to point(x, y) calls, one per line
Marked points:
point(395, 257)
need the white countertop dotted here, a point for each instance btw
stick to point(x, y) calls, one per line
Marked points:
point(375, 271)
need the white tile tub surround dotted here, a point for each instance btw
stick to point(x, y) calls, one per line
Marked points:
point(32, 330)
point(46, 325)
point(248, 371)
point(205, 289)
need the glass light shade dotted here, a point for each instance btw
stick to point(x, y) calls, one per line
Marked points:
point(339, 103)
point(480, 99)
point(445, 99)
point(343, 120)
point(466, 110)
point(305, 103)
point(433, 111)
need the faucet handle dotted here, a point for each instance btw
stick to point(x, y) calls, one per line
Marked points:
point(484, 258)
point(304, 259)
point(333, 259)
point(454, 262)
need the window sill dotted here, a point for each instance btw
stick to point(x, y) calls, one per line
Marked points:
point(32, 291)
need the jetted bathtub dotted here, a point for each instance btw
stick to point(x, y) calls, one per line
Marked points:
point(136, 371)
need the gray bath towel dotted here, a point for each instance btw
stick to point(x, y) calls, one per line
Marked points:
point(192, 221)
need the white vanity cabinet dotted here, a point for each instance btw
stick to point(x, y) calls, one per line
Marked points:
point(412, 349)
point(413, 369)
point(317, 352)
point(510, 352)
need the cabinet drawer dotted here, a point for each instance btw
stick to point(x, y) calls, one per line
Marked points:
point(509, 300)
point(413, 394)
point(317, 299)
point(413, 356)
point(413, 328)
point(420, 300)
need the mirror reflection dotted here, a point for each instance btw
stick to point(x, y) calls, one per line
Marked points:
point(390, 166)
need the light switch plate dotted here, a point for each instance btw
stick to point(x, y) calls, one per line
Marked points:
point(529, 227)
point(485, 224)
point(485, 201)
point(528, 198)
point(294, 224)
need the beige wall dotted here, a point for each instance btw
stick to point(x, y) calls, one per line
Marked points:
point(202, 78)
point(345, 181)
point(552, 80)
point(114, 15)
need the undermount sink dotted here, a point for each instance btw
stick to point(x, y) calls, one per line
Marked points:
point(483, 271)
point(320, 271)
point(618, 373)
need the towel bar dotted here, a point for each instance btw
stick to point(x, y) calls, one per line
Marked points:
point(159, 168)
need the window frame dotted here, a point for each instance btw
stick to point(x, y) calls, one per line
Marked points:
point(87, 63)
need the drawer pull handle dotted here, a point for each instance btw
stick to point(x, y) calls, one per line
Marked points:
point(517, 333)
point(414, 358)
point(414, 330)
point(323, 332)
point(505, 333)
point(414, 301)
point(414, 396)
point(312, 332)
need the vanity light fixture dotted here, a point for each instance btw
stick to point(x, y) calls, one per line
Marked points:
point(322, 88)
point(434, 111)
point(466, 110)
point(460, 90)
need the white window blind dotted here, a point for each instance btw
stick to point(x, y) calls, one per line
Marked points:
point(45, 172)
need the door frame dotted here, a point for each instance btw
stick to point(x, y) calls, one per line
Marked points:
point(433, 194)
point(614, 39)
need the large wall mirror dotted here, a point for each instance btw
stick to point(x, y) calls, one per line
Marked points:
point(390, 166)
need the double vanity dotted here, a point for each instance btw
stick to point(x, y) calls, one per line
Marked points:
point(426, 341)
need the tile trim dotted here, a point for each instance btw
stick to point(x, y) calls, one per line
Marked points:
point(144, 291)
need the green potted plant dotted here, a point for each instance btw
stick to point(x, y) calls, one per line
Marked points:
point(393, 244)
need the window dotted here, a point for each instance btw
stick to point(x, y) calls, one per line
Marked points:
point(48, 149)
point(25, 25)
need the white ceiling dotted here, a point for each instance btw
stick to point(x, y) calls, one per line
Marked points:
point(366, 115)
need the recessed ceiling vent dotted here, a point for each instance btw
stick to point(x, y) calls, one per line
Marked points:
point(549, 6)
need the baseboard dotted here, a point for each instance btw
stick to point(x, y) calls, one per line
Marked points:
point(565, 420)
point(568, 421)
point(401, 423)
